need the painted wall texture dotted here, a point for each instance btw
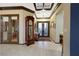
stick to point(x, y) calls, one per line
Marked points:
point(66, 33)
point(74, 31)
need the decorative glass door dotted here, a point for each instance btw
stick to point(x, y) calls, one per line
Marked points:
point(40, 29)
point(9, 29)
point(43, 28)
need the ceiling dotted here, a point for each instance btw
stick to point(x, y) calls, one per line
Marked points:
point(42, 10)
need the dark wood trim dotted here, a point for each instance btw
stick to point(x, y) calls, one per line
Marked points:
point(48, 26)
point(56, 42)
point(9, 15)
point(36, 8)
point(50, 7)
point(16, 8)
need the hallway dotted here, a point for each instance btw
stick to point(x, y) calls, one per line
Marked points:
point(40, 48)
point(43, 27)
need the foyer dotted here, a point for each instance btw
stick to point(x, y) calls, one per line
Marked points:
point(34, 29)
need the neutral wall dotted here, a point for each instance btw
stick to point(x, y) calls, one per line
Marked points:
point(59, 25)
point(22, 15)
point(66, 31)
point(58, 18)
point(66, 41)
point(52, 29)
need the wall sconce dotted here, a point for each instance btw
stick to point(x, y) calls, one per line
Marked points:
point(52, 23)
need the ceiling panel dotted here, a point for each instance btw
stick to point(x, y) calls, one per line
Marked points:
point(41, 6)
point(48, 6)
point(43, 14)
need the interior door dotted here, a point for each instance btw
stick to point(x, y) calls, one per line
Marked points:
point(43, 28)
point(9, 29)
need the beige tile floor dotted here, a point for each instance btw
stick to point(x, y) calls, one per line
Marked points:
point(40, 48)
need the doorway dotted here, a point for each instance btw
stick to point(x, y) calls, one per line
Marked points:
point(43, 28)
point(9, 29)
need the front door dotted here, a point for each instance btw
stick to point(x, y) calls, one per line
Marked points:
point(43, 28)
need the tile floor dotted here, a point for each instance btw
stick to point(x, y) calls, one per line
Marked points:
point(40, 48)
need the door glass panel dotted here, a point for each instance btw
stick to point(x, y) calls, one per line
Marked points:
point(5, 22)
point(40, 29)
point(30, 29)
point(14, 27)
point(45, 29)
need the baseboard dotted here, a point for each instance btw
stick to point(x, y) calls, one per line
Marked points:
point(55, 42)
point(21, 44)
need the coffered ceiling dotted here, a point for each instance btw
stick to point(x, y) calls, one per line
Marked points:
point(45, 10)
point(46, 6)
point(42, 10)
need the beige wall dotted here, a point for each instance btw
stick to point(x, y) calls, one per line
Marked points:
point(59, 25)
point(22, 15)
point(66, 45)
point(66, 29)
point(53, 31)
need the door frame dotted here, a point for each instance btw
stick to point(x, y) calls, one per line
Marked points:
point(48, 27)
point(9, 15)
